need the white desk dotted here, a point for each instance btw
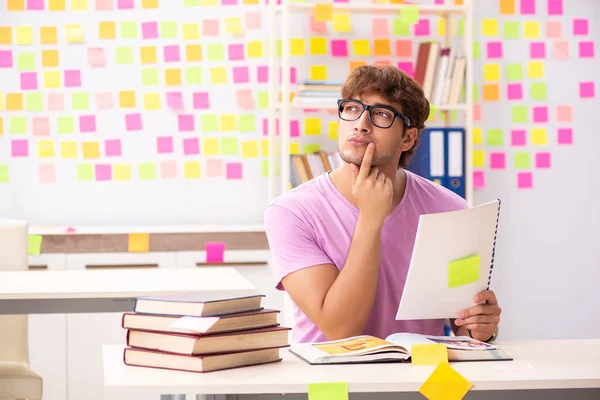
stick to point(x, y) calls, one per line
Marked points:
point(537, 365)
point(108, 290)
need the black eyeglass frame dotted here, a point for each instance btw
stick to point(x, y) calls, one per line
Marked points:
point(404, 118)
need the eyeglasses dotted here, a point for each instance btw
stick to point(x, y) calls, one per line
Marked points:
point(381, 116)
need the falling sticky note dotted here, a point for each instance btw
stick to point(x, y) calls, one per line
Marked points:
point(139, 243)
point(463, 271)
point(35, 245)
point(428, 354)
point(214, 252)
point(445, 384)
point(74, 33)
point(328, 391)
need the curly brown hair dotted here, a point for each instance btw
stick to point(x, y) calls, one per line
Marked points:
point(395, 86)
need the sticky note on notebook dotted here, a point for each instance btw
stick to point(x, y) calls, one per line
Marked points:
point(328, 391)
point(214, 252)
point(428, 353)
point(445, 384)
point(463, 271)
point(34, 245)
point(139, 243)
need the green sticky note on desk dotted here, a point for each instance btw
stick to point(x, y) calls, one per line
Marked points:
point(35, 245)
point(328, 391)
point(463, 271)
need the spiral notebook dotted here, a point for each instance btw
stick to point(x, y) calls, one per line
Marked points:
point(452, 261)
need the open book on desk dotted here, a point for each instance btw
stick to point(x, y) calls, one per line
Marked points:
point(395, 348)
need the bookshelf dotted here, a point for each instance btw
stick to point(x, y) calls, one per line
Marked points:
point(281, 110)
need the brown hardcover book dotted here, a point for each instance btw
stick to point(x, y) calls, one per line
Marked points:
point(197, 304)
point(226, 323)
point(325, 161)
point(301, 169)
point(215, 362)
point(199, 343)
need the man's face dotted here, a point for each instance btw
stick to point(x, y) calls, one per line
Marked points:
point(354, 136)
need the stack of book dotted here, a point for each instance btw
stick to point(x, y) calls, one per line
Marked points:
point(318, 93)
point(202, 332)
point(304, 167)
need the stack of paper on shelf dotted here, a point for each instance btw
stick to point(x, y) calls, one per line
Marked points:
point(202, 332)
point(319, 93)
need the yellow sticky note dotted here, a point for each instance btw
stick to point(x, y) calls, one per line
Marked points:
point(318, 72)
point(328, 391)
point(46, 149)
point(333, 129)
point(264, 147)
point(15, 5)
point(312, 126)
point(48, 35)
point(250, 149)
point(210, 146)
point(79, 5)
point(255, 49)
point(382, 47)
point(489, 27)
point(5, 35)
point(535, 69)
point(539, 136)
point(127, 99)
point(218, 75)
point(428, 353)
point(318, 46)
point(151, 101)
point(107, 30)
point(121, 172)
point(24, 35)
point(478, 158)
point(441, 27)
point(297, 47)
point(191, 169)
point(361, 47)
point(477, 136)
point(491, 72)
point(341, 23)
point(148, 55)
point(56, 5)
point(139, 243)
point(34, 247)
point(463, 271)
point(14, 102)
point(227, 122)
point(233, 25)
point(190, 31)
point(193, 52)
point(68, 150)
point(74, 33)
point(531, 29)
point(323, 12)
point(445, 384)
point(149, 3)
point(295, 148)
point(173, 77)
point(50, 58)
point(52, 79)
point(90, 150)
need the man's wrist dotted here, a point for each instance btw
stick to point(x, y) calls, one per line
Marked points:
point(488, 340)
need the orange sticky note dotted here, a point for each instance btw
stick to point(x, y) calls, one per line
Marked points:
point(323, 12)
point(428, 354)
point(139, 243)
point(491, 92)
point(445, 384)
point(507, 7)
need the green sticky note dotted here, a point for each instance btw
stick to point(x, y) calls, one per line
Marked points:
point(65, 124)
point(80, 101)
point(277, 48)
point(400, 27)
point(128, 29)
point(26, 62)
point(475, 93)
point(215, 52)
point(34, 102)
point(494, 137)
point(263, 99)
point(520, 114)
point(18, 125)
point(409, 14)
point(432, 112)
point(453, 115)
point(538, 91)
point(511, 30)
point(124, 55)
point(246, 123)
point(191, 3)
point(522, 160)
point(514, 72)
point(3, 173)
point(209, 123)
point(193, 75)
point(476, 50)
point(147, 171)
point(150, 77)
point(328, 391)
point(312, 148)
point(461, 27)
point(85, 172)
point(229, 146)
point(168, 30)
point(265, 168)
point(35, 245)
point(463, 271)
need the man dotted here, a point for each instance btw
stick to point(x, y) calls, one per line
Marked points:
point(342, 242)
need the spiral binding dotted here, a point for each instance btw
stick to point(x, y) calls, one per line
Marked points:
point(494, 246)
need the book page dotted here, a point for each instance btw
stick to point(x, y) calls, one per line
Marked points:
point(357, 345)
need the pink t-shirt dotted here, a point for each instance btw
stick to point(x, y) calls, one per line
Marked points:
point(313, 224)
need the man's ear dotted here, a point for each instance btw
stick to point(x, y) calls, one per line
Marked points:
point(410, 135)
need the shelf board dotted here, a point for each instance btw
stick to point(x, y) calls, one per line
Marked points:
point(447, 107)
point(423, 8)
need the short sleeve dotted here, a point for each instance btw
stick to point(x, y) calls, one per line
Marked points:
point(292, 243)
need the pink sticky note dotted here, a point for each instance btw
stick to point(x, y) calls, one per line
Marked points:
point(215, 251)
point(103, 172)
point(19, 148)
point(168, 169)
point(214, 168)
point(185, 122)
point(87, 123)
point(580, 26)
point(518, 137)
point(229, 2)
point(527, 7)
point(234, 170)
point(565, 136)
point(537, 50)
point(6, 59)
point(586, 49)
point(422, 28)
point(191, 146)
point(564, 113)
point(553, 29)
point(262, 72)
point(133, 122)
point(542, 160)
point(266, 127)
point(35, 4)
point(244, 99)
point(164, 144)
point(380, 27)
point(524, 180)
point(41, 126)
point(196, 324)
point(104, 5)
point(587, 90)
point(478, 180)
point(175, 100)
point(555, 7)
point(210, 27)
point(339, 48)
point(47, 173)
point(407, 67)
point(316, 26)
point(56, 102)
point(514, 91)
point(236, 52)
point(497, 160)
point(540, 114)
point(252, 20)
point(439, 1)
point(240, 75)
point(476, 112)
point(494, 49)
point(560, 50)
point(125, 4)
point(29, 81)
point(72, 78)
point(201, 100)
point(104, 100)
point(112, 147)
point(150, 30)
point(96, 57)
point(171, 53)
point(294, 128)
